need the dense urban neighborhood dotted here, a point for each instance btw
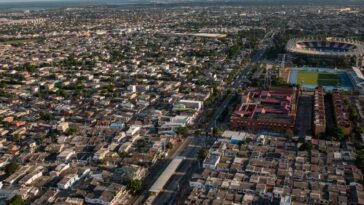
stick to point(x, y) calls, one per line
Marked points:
point(206, 104)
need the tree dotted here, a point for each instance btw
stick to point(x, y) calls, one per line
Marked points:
point(124, 154)
point(354, 115)
point(307, 146)
point(360, 159)
point(278, 81)
point(46, 116)
point(197, 133)
point(61, 93)
point(70, 131)
point(359, 130)
point(216, 131)
point(16, 200)
point(339, 134)
point(182, 131)
point(134, 186)
point(242, 143)
point(17, 138)
point(169, 145)
point(11, 168)
point(101, 162)
point(234, 50)
point(203, 154)
point(289, 133)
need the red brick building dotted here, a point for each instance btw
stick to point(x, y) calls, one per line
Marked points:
point(341, 113)
point(319, 121)
point(273, 109)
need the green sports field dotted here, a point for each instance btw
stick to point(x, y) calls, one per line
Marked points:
point(315, 78)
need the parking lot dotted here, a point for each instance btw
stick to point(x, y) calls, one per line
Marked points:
point(303, 125)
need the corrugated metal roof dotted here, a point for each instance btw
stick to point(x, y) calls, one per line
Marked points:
point(166, 175)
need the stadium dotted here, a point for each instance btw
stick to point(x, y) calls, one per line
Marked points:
point(357, 77)
point(328, 47)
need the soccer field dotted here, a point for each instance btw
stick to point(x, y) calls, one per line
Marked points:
point(316, 78)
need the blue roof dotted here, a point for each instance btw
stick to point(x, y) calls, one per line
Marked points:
point(211, 159)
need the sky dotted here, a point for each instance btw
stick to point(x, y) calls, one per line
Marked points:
point(34, 0)
point(47, 0)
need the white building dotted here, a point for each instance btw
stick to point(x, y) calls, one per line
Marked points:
point(188, 104)
point(133, 130)
point(66, 155)
point(67, 181)
point(63, 126)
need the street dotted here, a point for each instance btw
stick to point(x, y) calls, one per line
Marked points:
point(184, 172)
point(190, 164)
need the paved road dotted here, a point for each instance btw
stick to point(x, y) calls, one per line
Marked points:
point(237, 83)
point(170, 195)
point(185, 170)
point(156, 171)
point(304, 116)
point(189, 165)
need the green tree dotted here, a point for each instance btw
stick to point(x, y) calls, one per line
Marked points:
point(134, 186)
point(203, 153)
point(46, 116)
point(354, 115)
point(11, 168)
point(124, 154)
point(234, 50)
point(61, 93)
point(70, 131)
point(101, 162)
point(307, 146)
point(16, 200)
point(169, 145)
point(182, 131)
point(360, 159)
point(339, 134)
point(197, 133)
point(216, 131)
point(17, 138)
point(278, 81)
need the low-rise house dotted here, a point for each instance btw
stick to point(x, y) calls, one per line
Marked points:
point(109, 195)
point(68, 181)
point(66, 155)
point(211, 161)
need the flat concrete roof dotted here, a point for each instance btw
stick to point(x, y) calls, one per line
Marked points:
point(358, 72)
point(166, 175)
point(207, 35)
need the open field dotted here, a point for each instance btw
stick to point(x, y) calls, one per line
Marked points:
point(310, 78)
point(314, 78)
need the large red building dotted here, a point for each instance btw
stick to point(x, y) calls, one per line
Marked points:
point(341, 113)
point(273, 109)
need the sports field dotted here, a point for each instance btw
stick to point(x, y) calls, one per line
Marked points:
point(314, 78)
point(309, 78)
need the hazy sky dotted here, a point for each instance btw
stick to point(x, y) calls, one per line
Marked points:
point(32, 0)
point(63, 0)
point(24, 0)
